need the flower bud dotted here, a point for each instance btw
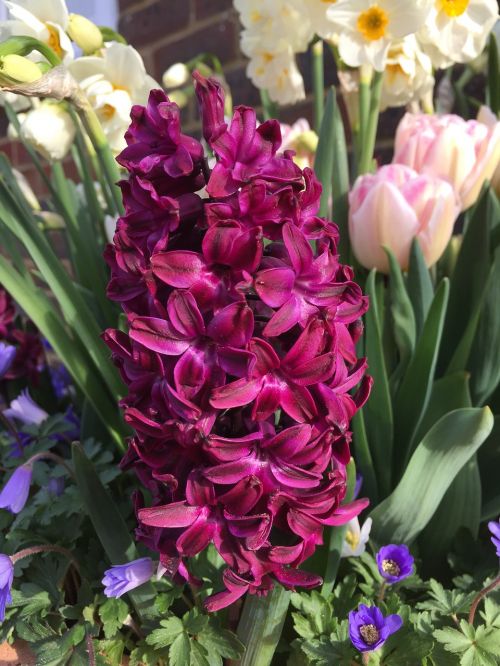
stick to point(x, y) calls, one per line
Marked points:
point(18, 69)
point(84, 33)
point(465, 153)
point(176, 75)
point(50, 130)
point(392, 207)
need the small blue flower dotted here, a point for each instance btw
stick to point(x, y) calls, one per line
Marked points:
point(369, 629)
point(55, 486)
point(7, 355)
point(122, 578)
point(25, 409)
point(394, 563)
point(494, 528)
point(14, 494)
point(6, 578)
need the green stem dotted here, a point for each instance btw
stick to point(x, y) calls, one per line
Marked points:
point(261, 624)
point(369, 131)
point(480, 595)
point(337, 536)
point(23, 46)
point(318, 80)
point(269, 108)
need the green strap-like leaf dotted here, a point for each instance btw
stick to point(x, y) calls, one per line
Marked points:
point(420, 288)
point(443, 452)
point(323, 162)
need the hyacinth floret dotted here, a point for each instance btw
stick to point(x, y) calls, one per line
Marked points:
point(240, 357)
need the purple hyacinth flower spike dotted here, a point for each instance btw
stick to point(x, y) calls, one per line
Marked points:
point(395, 563)
point(369, 629)
point(122, 578)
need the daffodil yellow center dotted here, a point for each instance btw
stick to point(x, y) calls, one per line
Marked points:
point(54, 42)
point(372, 23)
point(107, 112)
point(369, 633)
point(352, 539)
point(453, 7)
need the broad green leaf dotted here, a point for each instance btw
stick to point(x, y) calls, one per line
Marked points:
point(323, 162)
point(113, 614)
point(489, 455)
point(484, 360)
point(377, 413)
point(223, 642)
point(180, 651)
point(493, 88)
point(442, 453)
point(108, 523)
point(467, 285)
point(419, 284)
point(171, 628)
point(414, 391)
point(363, 455)
point(402, 315)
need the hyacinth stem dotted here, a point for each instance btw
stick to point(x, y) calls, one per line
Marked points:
point(480, 595)
point(269, 108)
point(261, 624)
point(318, 80)
point(337, 536)
point(369, 130)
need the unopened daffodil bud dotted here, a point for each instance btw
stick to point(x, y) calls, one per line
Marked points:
point(18, 69)
point(176, 75)
point(84, 33)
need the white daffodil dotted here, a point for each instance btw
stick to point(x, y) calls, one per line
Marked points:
point(320, 22)
point(356, 538)
point(17, 102)
point(367, 29)
point(49, 129)
point(278, 74)
point(457, 30)
point(45, 20)
point(300, 138)
point(408, 74)
point(113, 83)
point(276, 24)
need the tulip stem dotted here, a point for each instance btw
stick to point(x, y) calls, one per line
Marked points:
point(369, 130)
point(261, 624)
point(318, 80)
point(480, 595)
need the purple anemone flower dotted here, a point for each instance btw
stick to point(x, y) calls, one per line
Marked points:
point(6, 578)
point(7, 355)
point(395, 563)
point(241, 352)
point(25, 409)
point(122, 578)
point(494, 528)
point(14, 494)
point(369, 629)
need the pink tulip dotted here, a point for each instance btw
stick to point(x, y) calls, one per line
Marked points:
point(395, 205)
point(488, 118)
point(465, 153)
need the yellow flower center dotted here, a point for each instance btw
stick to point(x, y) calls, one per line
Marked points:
point(54, 42)
point(107, 112)
point(453, 7)
point(391, 567)
point(369, 633)
point(372, 23)
point(352, 539)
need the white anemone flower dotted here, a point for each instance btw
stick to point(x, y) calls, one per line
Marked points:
point(45, 20)
point(457, 30)
point(367, 29)
point(113, 83)
point(408, 74)
point(278, 74)
point(49, 129)
point(356, 538)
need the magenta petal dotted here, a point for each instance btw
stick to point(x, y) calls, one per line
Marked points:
point(178, 514)
point(298, 248)
point(191, 373)
point(231, 472)
point(266, 402)
point(196, 538)
point(158, 335)
point(296, 578)
point(286, 443)
point(346, 512)
point(236, 589)
point(185, 315)
point(236, 394)
point(295, 477)
point(315, 371)
point(179, 268)
point(233, 325)
point(235, 362)
point(243, 496)
point(298, 403)
point(274, 285)
point(284, 319)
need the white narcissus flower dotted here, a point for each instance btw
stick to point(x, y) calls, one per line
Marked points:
point(356, 538)
point(408, 74)
point(17, 102)
point(300, 138)
point(50, 130)
point(278, 74)
point(45, 20)
point(457, 30)
point(113, 83)
point(367, 29)
point(320, 22)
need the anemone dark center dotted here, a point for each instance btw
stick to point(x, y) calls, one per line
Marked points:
point(369, 633)
point(390, 567)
